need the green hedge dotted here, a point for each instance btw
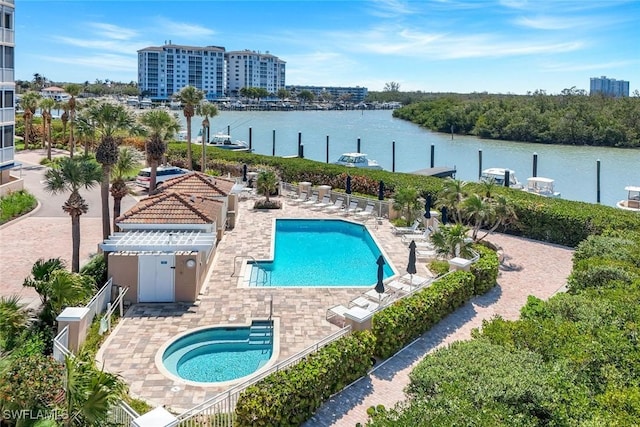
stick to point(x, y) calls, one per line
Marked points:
point(399, 324)
point(15, 204)
point(291, 396)
point(485, 270)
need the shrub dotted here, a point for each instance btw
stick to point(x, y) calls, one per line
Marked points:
point(399, 324)
point(599, 272)
point(289, 397)
point(96, 268)
point(485, 270)
point(267, 204)
point(15, 204)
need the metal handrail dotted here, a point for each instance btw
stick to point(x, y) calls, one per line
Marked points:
point(266, 276)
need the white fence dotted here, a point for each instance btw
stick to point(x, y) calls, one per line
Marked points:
point(99, 302)
point(61, 345)
point(219, 411)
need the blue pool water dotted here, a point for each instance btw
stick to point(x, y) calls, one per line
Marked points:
point(320, 253)
point(220, 353)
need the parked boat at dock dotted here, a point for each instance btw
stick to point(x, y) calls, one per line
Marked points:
point(541, 186)
point(357, 160)
point(632, 202)
point(225, 142)
point(499, 175)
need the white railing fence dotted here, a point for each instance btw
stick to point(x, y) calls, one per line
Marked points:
point(98, 304)
point(218, 411)
point(105, 322)
point(60, 345)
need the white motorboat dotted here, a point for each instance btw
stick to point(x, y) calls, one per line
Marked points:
point(224, 141)
point(498, 175)
point(541, 186)
point(632, 203)
point(357, 160)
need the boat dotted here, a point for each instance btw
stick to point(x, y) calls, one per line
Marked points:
point(632, 202)
point(357, 160)
point(224, 141)
point(497, 176)
point(541, 186)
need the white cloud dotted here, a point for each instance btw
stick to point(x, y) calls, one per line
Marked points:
point(104, 45)
point(103, 61)
point(111, 31)
point(390, 8)
point(587, 67)
point(183, 29)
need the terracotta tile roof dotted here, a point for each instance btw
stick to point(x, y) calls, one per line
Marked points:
point(171, 208)
point(198, 184)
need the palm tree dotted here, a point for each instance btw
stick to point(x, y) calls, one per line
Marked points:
point(206, 110)
point(406, 199)
point(266, 184)
point(126, 165)
point(40, 276)
point(65, 119)
point(69, 176)
point(89, 393)
point(46, 105)
point(109, 119)
point(452, 195)
point(189, 96)
point(478, 211)
point(29, 103)
point(162, 126)
point(73, 90)
point(452, 241)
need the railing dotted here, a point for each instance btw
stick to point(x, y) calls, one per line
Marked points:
point(61, 345)
point(122, 415)
point(100, 301)
point(105, 322)
point(218, 411)
point(266, 275)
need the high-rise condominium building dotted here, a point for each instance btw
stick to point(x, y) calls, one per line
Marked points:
point(7, 88)
point(164, 70)
point(609, 87)
point(247, 68)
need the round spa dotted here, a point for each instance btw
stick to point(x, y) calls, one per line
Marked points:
point(219, 354)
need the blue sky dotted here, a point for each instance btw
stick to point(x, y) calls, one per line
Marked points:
point(506, 46)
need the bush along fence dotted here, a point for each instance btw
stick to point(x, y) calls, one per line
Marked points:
point(290, 397)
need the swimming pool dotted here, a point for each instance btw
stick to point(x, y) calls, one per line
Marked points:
point(219, 354)
point(319, 253)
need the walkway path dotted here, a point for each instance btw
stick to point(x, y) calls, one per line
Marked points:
point(535, 269)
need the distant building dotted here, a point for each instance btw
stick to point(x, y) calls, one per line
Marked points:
point(164, 70)
point(56, 93)
point(609, 87)
point(350, 94)
point(7, 92)
point(247, 68)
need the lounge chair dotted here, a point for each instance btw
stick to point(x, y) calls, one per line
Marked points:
point(399, 286)
point(312, 200)
point(302, 198)
point(407, 230)
point(367, 212)
point(352, 208)
point(425, 253)
point(418, 237)
point(336, 206)
point(364, 302)
point(336, 313)
point(324, 203)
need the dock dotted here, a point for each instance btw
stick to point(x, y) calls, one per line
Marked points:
point(438, 172)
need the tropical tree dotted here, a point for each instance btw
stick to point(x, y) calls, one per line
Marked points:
point(206, 110)
point(29, 103)
point(109, 119)
point(65, 119)
point(190, 97)
point(41, 272)
point(46, 104)
point(453, 193)
point(73, 90)
point(162, 125)
point(70, 175)
point(89, 394)
point(406, 201)
point(126, 165)
point(266, 183)
point(451, 241)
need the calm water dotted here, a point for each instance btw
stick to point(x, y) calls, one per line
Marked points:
point(573, 168)
point(323, 253)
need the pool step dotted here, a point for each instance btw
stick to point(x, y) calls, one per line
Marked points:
point(261, 332)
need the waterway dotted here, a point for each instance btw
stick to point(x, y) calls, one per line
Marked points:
point(574, 168)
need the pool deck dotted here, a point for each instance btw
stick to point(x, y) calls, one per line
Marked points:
point(131, 348)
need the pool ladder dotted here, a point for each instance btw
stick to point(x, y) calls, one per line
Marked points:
point(266, 277)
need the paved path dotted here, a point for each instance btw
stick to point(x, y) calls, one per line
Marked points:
point(536, 269)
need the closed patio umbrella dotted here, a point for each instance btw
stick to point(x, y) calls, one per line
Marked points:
point(347, 189)
point(427, 206)
point(380, 197)
point(380, 284)
point(443, 212)
point(244, 173)
point(411, 266)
